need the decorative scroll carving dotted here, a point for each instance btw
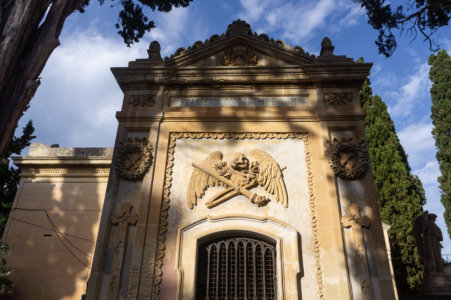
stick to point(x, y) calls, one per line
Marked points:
point(142, 100)
point(240, 27)
point(338, 98)
point(239, 56)
point(349, 160)
point(238, 176)
point(134, 158)
point(157, 275)
point(123, 218)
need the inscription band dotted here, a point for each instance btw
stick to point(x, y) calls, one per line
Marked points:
point(238, 101)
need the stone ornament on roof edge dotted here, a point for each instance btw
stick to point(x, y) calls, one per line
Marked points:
point(242, 28)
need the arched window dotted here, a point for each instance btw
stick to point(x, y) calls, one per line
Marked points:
point(236, 268)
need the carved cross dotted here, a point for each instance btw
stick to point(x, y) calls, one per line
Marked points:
point(124, 217)
point(356, 221)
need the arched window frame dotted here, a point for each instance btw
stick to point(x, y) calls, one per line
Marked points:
point(284, 237)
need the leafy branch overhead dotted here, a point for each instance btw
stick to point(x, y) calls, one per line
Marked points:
point(422, 17)
point(132, 21)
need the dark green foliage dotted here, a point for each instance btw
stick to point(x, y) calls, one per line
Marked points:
point(400, 194)
point(440, 75)
point(423, 16)
point(6, 285)
point(9, 176)
point(132, 21)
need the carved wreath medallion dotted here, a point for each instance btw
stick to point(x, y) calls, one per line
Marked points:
point(238, 176)
point(134, 158)
point(348, 159)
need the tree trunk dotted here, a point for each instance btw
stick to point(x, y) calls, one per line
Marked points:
point(29, 32)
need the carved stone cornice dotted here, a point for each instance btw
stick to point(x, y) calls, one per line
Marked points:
point(64, 172)
point(164, 210)
point(141, 78)
point(45, 161)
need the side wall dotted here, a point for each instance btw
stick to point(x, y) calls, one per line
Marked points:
point(53, 224)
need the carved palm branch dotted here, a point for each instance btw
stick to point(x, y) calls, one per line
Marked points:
point(270, 176)
point(201, 181)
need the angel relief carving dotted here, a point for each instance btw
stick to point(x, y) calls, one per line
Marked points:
point(238, 177)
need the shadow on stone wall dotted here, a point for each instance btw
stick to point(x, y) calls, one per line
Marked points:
point(51, 232)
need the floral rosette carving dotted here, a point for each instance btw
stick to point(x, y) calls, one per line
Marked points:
point(134, 158)
point(348, 159)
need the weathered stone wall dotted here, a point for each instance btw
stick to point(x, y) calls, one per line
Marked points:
point(54, 220)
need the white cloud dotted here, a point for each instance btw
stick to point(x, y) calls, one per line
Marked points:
point(355, 12)
point(429, 173)
point(297, 20)
point(78, 97)
point(446, 44)
point(416, 87)
point(382, 79)
point(418, 142)
point(171, 30)
point(254, 9)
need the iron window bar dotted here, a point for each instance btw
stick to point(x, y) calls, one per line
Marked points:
point(236, 268)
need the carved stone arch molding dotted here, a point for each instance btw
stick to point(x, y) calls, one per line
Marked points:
point(285, 237)
point(251, 225)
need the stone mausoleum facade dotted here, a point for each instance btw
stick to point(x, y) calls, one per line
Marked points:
point(240, 171)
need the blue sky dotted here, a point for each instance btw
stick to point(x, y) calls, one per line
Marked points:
point(76, 103)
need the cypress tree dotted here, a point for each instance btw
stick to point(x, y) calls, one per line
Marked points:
point(440, 75)
point(400, 194)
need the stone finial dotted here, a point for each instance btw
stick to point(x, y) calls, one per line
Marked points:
point(326, 47)
point(239, 27)
point(154, 52)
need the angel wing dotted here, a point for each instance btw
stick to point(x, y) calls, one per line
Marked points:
point(270, 176)
point(201, 181)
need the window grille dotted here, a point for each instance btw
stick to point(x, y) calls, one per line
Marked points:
point(236, 268)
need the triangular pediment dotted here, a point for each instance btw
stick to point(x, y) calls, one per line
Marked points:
point(239, 46)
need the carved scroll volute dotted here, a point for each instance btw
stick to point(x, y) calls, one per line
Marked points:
point(348, 159)
point(134, 158)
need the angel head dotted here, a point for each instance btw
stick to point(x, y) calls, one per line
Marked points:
point(239, 162)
